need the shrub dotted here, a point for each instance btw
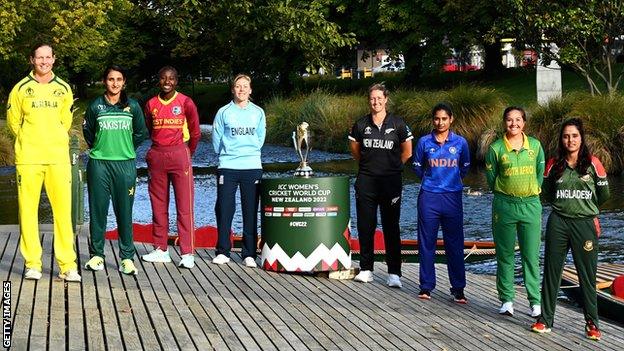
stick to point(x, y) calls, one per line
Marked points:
point(7, 151)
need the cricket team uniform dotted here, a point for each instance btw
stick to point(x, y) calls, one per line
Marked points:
point(379, 184)
point(113, 132)
point(573, 223)
point(238, 134)
point(39, 115)
point(515, 177)
point(441, 167)
point(169, 162)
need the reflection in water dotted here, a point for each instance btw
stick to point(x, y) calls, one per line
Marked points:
point(281, 161)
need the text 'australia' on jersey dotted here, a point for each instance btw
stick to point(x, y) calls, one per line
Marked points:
point(380, 147)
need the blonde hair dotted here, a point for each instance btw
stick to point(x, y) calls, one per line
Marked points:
point(241, 76)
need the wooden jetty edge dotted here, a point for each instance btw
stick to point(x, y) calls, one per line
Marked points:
point(233, 307)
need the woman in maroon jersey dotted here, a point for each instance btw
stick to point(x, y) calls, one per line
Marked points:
point(173, 123)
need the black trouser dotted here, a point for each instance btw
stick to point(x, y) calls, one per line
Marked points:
point(383, 192)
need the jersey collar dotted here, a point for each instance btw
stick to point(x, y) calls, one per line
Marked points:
point(167, 102)
point(525, 142)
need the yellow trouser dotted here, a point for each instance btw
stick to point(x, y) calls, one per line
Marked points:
point(57, 181)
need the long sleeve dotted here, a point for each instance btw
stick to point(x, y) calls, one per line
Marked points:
point(418, 159)
point(464, 159)
point(192, 120)
point(89, 127)
point(540, 166)
point(601, 182)
point(491, 167)
point(14, 112)
point(261, 128)
point(217, 132)
point(548, 184)
point(148, 117)
point(139, 129)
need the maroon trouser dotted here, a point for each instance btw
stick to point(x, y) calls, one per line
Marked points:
point(171, 165)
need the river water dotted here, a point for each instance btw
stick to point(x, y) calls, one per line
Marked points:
point(280, 161)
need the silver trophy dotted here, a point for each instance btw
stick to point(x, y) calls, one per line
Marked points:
point(301, 141)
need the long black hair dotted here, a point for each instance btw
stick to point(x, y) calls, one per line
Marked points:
point(584, 156)
point(123, 97)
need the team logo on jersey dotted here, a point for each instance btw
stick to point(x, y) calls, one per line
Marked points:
point(453, 150)
point(176, 110)
point(389, 130)
point(368, 130)
point(585, 178)
point(126, 109)
point(30, 92)
point(58, 93)
point(589, 245)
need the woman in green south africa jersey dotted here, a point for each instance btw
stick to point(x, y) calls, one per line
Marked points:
point(514, 171)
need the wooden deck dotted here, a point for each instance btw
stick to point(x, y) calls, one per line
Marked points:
point(233, 307)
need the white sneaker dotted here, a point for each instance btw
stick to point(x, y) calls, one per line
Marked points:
point(536, 311)
point(250, 262)
point(394, 281)
point(221, 259)
point(507, 309)
point(157, 255)
point(364, 277)
point(32, 274)
point(70, 276)
point(187, 261)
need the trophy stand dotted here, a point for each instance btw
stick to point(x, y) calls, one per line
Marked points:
point(301, 141)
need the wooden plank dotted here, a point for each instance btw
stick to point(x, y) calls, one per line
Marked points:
point(22, 293)
point(6, 256)
point(75, 313)
point(57, 325)
point(224, 302)
point(93, 325)
point(155, 312)
point(125, 319)
point(169, 309)
point(112, 334)
point(40, 312)
point(181, 295)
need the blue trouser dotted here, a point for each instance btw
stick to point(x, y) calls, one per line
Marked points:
point(445, 209)
point(228, 180)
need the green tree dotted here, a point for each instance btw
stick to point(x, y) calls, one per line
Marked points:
point(585, 33)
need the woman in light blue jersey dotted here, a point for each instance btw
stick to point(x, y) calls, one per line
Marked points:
point(238, 134)
point(441, 160)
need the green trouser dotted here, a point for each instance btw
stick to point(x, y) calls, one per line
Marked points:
point(108, 180)
point(561, 234)
point(521, 215)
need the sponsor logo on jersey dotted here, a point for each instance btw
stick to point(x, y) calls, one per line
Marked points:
point(453, 150)
point(101, 107)
point(602, 183)
point(58, 92)
point(367, 130)
point(588, 246)
point(389, 130)
point(176, 110)
point(379, 144)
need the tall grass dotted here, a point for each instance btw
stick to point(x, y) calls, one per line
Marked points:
point(603, 118)
point(7, 151)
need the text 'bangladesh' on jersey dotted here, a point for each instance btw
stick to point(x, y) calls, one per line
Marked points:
point(40, 117)
point(512, 172)
point(574, 195)
point(113, 132)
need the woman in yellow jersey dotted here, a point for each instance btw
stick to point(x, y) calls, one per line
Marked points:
point(514, 171)
point(39, 114)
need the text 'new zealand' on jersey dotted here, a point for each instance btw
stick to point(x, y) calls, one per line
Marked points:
point(380, 147)
point(441, 166)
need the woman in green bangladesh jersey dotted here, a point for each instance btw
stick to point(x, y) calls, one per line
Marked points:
point(114, 127)
point(575, 184)
point(514, 171)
